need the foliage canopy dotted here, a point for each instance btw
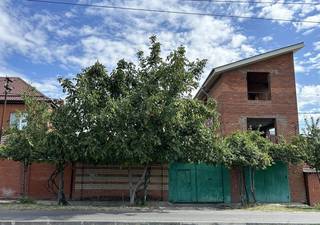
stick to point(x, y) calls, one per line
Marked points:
point(311, 143)
point(142, 114)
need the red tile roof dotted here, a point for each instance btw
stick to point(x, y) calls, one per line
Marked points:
point(19, 88)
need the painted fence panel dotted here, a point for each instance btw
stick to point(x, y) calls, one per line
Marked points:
point(209, 183)
point(198, 183)
point(271, 185)
point(110, 182)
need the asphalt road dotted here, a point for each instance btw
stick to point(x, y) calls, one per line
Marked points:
point(164, 216)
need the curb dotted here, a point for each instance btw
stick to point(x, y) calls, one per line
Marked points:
point(48, 222)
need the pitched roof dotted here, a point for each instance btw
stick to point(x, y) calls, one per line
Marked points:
point(215, 72)
point(19, 88)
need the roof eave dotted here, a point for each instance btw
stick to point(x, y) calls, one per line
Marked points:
point(201, 90)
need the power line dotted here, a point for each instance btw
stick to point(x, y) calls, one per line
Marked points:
point(254, 2)
point(171, 12)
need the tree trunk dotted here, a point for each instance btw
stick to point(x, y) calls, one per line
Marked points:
point(145, 185)
point(245, 198)
point(24, 179)
point(52, 185)
point(61, 196)
point(130, 186)
point(253, 191)
point(133, 188)
point(241, 186)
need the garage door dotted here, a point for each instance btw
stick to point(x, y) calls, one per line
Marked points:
point(198, 183)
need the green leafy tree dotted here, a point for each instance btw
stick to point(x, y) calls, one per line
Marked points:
point(25, 144)
point(156, 121)
point(47, 137)
point(61, 144)
point(288, 151)
point(248, 150)
point(310, 142)
point(142, 114)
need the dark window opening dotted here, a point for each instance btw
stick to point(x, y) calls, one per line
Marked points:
point(258, 86)
point(267, 127)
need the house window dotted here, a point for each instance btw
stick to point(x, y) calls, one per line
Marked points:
point(18, 120)
point(258, 84)
point(267, 127)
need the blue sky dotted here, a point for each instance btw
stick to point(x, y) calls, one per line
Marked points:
point(40, 42)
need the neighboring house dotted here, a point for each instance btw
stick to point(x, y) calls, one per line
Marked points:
point(10, 171)
point(260, 93)
point(15, 102)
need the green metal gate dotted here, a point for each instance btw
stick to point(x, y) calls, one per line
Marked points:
point(272, 184)
point(198, 183)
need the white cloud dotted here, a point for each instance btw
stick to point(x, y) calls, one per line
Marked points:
point(121, 33)
point(51, 38)
point(314, 62)
point(50, 87)
point(237, 40)
point(10, 33)
point(307, 54)
point(103, 50)
point(277, 11)
point(317, 46)
point(29, 35)
point(303, 26)
point(308, 103)
point(267, 38)
point(215, 39)
point(308, 96)
point(299, 68)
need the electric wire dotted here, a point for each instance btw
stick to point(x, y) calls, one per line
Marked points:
point(255, 2)
point(170, 11)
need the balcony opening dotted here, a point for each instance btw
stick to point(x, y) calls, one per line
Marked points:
point(258, 84)
point(267, 127)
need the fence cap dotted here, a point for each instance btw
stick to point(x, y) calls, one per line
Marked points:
point(309, 170)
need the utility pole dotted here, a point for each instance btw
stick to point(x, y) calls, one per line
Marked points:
point(7, 89)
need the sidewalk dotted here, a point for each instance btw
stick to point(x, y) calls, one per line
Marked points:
point(156, 216)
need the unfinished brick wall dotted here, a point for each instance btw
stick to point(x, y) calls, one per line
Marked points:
point(234, 107)
point(230, 92)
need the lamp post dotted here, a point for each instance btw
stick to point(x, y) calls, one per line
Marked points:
point(7, 89)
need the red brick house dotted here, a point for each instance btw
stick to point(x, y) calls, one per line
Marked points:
point(259, 92)
point(15, 99)
point(11, 171)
